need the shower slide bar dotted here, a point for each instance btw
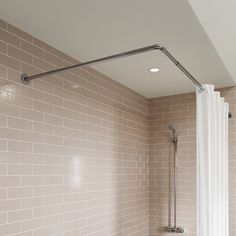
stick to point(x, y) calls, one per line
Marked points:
point(27, 78)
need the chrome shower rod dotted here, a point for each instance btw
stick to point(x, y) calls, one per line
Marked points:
point(27, 78)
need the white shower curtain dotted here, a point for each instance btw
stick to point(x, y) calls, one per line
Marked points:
point(212, 163)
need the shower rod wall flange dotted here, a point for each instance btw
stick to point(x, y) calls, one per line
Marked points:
point(25, 79)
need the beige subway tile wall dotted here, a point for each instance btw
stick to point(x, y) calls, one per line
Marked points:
point(180, 111)
point(81, 154)
point(73, 147)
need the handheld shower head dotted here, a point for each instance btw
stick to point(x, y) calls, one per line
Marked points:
point(173, 129)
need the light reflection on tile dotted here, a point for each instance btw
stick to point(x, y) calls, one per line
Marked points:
point(8, 92)
point(72, 158)
point(76, 177)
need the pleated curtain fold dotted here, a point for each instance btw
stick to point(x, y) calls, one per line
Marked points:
point(212, 163)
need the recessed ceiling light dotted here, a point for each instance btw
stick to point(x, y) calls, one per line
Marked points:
point(154, 69)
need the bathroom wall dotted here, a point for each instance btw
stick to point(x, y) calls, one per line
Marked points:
point(180, 110)
point(74, 150)
point(73, 147)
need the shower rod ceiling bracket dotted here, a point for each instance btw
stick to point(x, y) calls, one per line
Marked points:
point(27, 78)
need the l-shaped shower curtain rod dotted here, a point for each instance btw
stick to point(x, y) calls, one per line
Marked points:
point(27, 78)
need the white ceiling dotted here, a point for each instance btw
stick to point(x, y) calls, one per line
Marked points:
point(218, 19)
point(89, 29)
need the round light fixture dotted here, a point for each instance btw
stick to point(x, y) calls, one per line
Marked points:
point(154, 69)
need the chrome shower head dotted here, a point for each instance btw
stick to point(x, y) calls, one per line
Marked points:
point(173, 129)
